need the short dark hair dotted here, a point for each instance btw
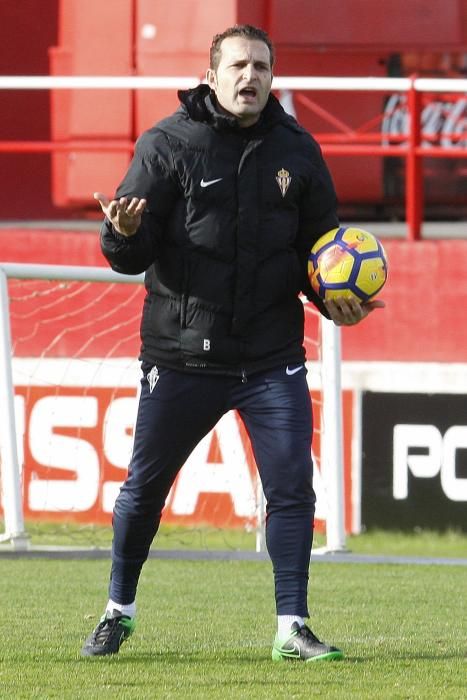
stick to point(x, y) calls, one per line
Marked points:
point(246, 31)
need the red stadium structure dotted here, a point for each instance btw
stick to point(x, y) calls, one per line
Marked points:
point(56, 149)
point(93, 131)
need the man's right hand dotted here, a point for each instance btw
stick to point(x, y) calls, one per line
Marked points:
point(124, 214)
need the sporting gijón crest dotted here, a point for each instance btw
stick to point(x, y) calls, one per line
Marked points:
point(283, 179)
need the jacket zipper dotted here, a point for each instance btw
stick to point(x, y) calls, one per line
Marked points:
point(185, 292)
point(183, 305)
point(244, 377)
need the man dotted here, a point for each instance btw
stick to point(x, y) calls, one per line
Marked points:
point(220, 206)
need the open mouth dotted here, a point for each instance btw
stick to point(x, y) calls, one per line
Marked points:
point(248, 92)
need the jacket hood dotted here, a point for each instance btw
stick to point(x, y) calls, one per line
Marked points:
point(201, 105)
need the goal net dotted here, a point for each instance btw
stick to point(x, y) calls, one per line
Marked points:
point(68, 397)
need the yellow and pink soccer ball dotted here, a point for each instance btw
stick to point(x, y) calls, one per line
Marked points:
point(347, 262)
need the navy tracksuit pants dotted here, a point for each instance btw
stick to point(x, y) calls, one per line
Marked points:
point(176, 410)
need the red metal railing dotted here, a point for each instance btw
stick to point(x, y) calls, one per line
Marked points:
point(343, 141)
point(348, 141)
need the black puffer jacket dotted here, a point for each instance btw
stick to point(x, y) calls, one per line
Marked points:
point(231, 215)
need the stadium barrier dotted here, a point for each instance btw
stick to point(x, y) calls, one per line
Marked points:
point(413, 146)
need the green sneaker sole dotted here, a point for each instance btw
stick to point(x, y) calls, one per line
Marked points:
point(330, 656)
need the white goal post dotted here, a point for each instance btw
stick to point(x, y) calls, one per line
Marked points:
point(331, 446)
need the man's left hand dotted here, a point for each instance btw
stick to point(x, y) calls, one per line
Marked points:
point(349, 311)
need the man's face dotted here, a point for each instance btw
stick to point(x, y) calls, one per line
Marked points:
point(242, 81)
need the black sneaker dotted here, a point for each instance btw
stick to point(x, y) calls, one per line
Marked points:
point(302, 645)
point(109, 634)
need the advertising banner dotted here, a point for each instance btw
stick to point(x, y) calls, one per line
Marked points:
point(414, 461)
point(75, 442)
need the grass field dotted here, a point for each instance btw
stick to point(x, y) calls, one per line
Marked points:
point(205, 629)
